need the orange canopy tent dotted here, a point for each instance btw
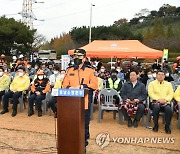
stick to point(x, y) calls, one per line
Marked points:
point(119, 49)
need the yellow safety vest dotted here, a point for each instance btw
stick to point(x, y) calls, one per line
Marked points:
point(115, 85)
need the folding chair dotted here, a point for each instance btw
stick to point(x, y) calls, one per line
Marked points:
point(44, 102)
point(22, 102)
point(178, 115)
point(149, 114)
point(108, 102)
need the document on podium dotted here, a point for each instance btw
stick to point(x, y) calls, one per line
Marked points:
point(68, 92)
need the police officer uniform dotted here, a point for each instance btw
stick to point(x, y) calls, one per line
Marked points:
point(82, 75)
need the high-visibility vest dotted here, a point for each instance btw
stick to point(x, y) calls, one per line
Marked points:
point(115, 85)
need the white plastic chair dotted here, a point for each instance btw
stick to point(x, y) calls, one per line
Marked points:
point(108, 102)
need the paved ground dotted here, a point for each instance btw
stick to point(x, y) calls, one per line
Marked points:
point(23, 134)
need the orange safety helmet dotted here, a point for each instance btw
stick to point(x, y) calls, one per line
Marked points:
point(40, 72)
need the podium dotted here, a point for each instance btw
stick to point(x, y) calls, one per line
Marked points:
point(70, 120)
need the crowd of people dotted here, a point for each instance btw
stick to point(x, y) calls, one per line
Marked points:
point(134, 83)
point(30, 80)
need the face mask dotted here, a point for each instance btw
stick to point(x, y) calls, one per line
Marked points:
point(62, 76)
point(1, 73)
point(21, 73)
point(102, 70)
point(113, 76)
point(40, 77)
point(154, 75)
point(77, 61)
point(150, 76)
point(167, 74)
point(118, 70)
point(55, 72)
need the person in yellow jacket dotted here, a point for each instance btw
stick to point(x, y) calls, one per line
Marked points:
point(20, 83)
point(177, 94)
point(78, 76)
point(4, 81)
point(177, 99)
point(161, 93)
point(57, 85)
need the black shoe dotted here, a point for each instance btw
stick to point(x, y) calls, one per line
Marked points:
point(155, 128)
point(4, 111)
point(30, 113)
point(14, 113)
point(39, 114)
point(135, 123)
point(167, 130)
point(129, 123)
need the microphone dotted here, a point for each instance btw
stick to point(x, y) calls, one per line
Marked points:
point(82, 80)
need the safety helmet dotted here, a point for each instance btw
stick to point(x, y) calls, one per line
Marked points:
point(14, 57)
point(21, 56)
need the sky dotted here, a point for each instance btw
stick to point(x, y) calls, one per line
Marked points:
point(60, 16)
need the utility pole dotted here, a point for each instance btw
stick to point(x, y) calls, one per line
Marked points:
point(90, 22)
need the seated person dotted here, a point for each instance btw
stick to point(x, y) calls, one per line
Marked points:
point(19, 84)
point(120, 73)
point(103, 73)
point(30, 71)
point(134, 94)
point(114, 83)
point(177, 99)
point(150, 77)
point(4, 82)
point(58, 84)
point(38, 92)
point(168, 77)
point(55, 76)
point(161, 93)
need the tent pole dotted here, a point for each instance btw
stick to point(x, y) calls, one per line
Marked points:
point(111, 62)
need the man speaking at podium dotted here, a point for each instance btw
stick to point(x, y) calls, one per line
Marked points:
point(79, 76)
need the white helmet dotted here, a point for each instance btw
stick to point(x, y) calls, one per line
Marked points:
point(14, 57)
point(21, 56)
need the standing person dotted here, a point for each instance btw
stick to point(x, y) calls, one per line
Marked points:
point(21, 61)
point(120, 73)
point(13, 64)
point(156, 66)
point(55, 76)
point(118, 63)
point(19, 84)
point(134, 95)
point(2, 60)
point(161, 93)
point(99, 64)
point(74, 79)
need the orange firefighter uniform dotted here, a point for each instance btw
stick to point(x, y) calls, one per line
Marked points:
point(83, 76)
